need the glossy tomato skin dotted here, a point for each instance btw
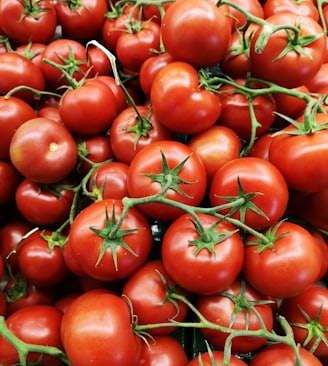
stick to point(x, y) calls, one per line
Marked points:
point(187, 19)
point(22, 28)
point(283, 71)
point(255, 175)
point(10, 178)
point(254, 7)
point(296, 251)
point(164, 351)
point(178, 101)
point(149, 161)
point(303, 8)
point(86, 245)
point(13, 112)
point(313, 301)
point(205, 359)
point(212, 305)
point(86, 336)
point(146, 291)
point(199, 265)
point(282, 354)
point(49, 145)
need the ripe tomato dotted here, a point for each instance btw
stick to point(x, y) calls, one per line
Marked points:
point(282, 71)
point(96, 329)
point(10, 178)
point(205, 359)
point(150, 299)
point(304, 8)
point(254, 175)
point(165, 160)
point(308, 315)
point(46, 143)
point(253, 7)
point(226, 306)
point(187, 19)
point(295, 251)
point(28, 21)
point(32, 51)
point(202, 261)
point(163, 351)
point(103, 251)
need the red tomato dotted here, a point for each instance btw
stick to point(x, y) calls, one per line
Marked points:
point(109, 181)
point(47, 144)
point(205, 359)
point(215, 146)
point(152, 12)
point(295, 251)
point(165, 160)
point(282, 354)
point(254, 175)
point(40, 258)
point(303, 7)
point(104, 251)
point(308, 315)
point(35, 324)
point(129, 135)
point(202, 260)
point(319, 80)
point(26, 21)
point(100, 62)
point(94, 321)
point(81, 21)
point(163, 351)
point(150, 299)
point(187, 19)
point(50, 112)
point(180, 103)
point(89, 109)
point(32, 51)
point(283, 71)
point(261, 146)
point(233, 310)
point(254, 7)
point(10, 178)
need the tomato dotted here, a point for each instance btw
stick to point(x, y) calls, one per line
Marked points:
point(82, 20)
point(65, 301)
point(50, 112)
point(295, 251)
point(198, 45)
point(3, 304)
point(35, 324)
point(282, 354)
point(32, 51)
point(106, 253)
point(261, 146)
point(16, 70)
point(151, 302)
point(319, 80)
point(205, 359)
point(233, 312)
point(110, 180)
point(130, 132)
point(202, 260)
point(46, 143)
point(282, 71)
point(215, 146)
point(165, 160)
point(294, 155)
point(180, 103)
point(24, 21)
point(134, 48)
point(100, 62)
point(152, 12)
point(164, 351)
point(40, 258)
point(10, 178)
point(94, 321)
point(88, 109)
point(255, 175)
point(303, 8)
point(253, 7)
point(235, 110)
point(308, 315)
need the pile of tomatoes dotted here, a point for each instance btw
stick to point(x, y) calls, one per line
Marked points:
point(163, 182)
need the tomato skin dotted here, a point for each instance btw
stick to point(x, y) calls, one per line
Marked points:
point(312, 301)
point(149, 161)
point(86, 336)
point(254, 7)
point(283, 71)
point(22, 28)
point(163, 351)
point(178, 101)
point(187, 19)
point(49, 145)
point(282, 354)
point(204, 359)
point(303, 8)
point(10, 178)
point(147, 293)
point(296, 252)
point(3, 304)
point(100, 62)
point(255, 175)
point(203, 272)
point(86, 244)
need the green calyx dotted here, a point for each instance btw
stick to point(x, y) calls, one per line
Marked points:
point(33, 9)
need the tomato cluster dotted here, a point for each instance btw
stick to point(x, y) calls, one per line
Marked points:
point(163, 182)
